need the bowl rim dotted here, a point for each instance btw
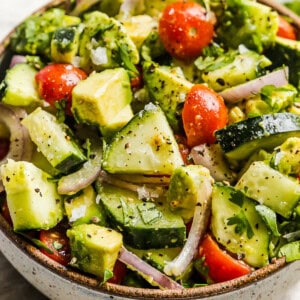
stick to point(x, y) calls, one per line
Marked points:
point(118, 290)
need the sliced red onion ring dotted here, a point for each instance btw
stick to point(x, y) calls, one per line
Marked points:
point(145, 191)
point(211, 157)
point(199, 225)
point(242, 91)
point(152, 275)
point(21, 146)
point(86, 175)
point(17, 59)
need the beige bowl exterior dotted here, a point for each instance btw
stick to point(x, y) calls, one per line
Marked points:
point(58, 282)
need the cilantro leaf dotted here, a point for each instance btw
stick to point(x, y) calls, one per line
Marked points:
point(241, 224)
point(237, 197)
point(108, 274)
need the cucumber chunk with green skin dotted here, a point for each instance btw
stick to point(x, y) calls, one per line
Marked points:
point(270, 187)
point(144, 225)
point(241, 139)
point(94, 248)
point(237, 226)
point(53, 140)
point(146, 145)
point(19, 87)
point(32, 198)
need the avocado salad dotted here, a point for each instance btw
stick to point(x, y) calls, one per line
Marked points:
point(154, 143)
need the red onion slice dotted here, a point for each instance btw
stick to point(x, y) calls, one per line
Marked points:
point(86, 175)
point(199, 225)
point(242, 91)
point(211, 157)
point(144, 191)
point(17, 59)
point(21, 146)
point(152, 275)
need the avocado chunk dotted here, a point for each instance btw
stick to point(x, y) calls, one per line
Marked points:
point(105, 44)
point(94, 248)
point(139, 27)
point(144, 224)
point(168, 88)
point(146, 145)
point(185, 189)
point(286, 157)
point(267, 186)
point(83, 208)
point(65, 43)
point(103, 99)
point(19, 87)
point(32, 198)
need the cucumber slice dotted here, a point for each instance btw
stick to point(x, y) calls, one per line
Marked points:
point(270, 187)
point(53, 140)
point(144, 225)
point(146, 145)
point(228, 203)
point(241, 139)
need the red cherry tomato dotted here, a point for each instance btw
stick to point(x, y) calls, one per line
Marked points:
point(119, 273)
point(56, 240)
point(285, 29)
point(183, 148)
point(56, 82)
point(203, 112)
point(221, 266)
point(185, 29)
point(4, 147)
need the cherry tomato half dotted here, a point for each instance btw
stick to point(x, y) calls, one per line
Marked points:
point(203, 113)
point(119, 273)
point(183, 148)
point(221, 266)
point(56, 240)
point(56, 82)
point(4, 147)
point(285, 29)
point(185, 29)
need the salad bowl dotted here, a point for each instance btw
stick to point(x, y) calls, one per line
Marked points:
point(58, 282)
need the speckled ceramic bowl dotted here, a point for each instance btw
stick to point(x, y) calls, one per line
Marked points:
point(58, 282)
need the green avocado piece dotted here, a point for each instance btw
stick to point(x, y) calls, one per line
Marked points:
point(83, 209)
point(32, 198)
point(139, 27)
point(105, 44)
point(185, 189)
point(168, 88)
point(101, 98)
point(144, 224)
point(286, 157)
point(94, 248)
point(65, 43)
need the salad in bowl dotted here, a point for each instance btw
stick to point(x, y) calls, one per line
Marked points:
point(154, 145)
